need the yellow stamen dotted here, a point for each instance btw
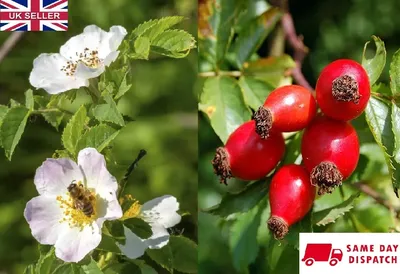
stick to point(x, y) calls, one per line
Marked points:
point(133, 211)
point(73, 216)
point(89, 57)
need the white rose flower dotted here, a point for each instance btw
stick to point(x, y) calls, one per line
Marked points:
point(53, 217)
point(82, 57)
point(160, 213)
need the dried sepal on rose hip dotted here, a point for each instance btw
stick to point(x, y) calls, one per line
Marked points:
point(330, 151)
point(247, 156)
point(343, 90)
point(286, 109)
point(291, 196)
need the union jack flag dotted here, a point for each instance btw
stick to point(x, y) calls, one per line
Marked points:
point(33, 15)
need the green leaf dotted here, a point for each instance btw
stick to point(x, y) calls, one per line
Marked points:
point(74, 130)
point(139, 227)
point(292, 151)
point(142, 48)
point(108, 244)
point(97, 137)
point(91, 268)
point(162, 256)
point(242, 201)
point(224, 13)
point(108, 112)
point(375, 65)
point(3, 111)
point(254, 91)
point(396, 131)
point(12, 127)
point(179, 254)
point(151, 29)
point(222, 101)
point(146, 269)
point(29, 102)
point(174, 43)
point(379, 118)
point(330, 215)
point(395, 73)
point(184, 254)
point(304, 225)
point(30, 269)
point(271, 70)
point(14, 103)
point(45, 263)
point(243, 237)
point(67, 269)
point(125, 268)
point(252, 36)
point(53, 118)
point(116, 229)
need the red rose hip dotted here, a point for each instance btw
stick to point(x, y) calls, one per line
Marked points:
point(291, 196)
point(330, 151)
point(286, 109)
point(343, 90)
point(246, 156)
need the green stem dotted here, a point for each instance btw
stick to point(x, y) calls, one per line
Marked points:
point(49, 110)
point(350, 217)
point(220, 73)
point(93, 90)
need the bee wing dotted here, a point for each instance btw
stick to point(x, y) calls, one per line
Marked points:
point(79, 204)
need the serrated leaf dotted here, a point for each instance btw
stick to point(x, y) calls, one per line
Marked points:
point(271, 69)
point(139, 227)
point(304, 225)
point(151, 29)
point(45, 263)
point(29, 102)
point(242, 201)
point(254, 91)
point(14, 103)
point(395, 73)
point(222, 20)
point(53, 118)
point(162, 256)
point(253, 35)
point(142, 48)
point(174, 43)
point(97, 137)
point(12, 127)
point(396, 131)
point(123, 268)
point(243, 237)
point(91, 268)
point(375, 65)
point(222, 101)
point(184, 252)
point(179, 254)
point(108, 112)
point(74, 130)
point(378, 115)
point(330, 215)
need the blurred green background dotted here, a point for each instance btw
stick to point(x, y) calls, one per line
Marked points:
point(161, 100)
point(332, 29)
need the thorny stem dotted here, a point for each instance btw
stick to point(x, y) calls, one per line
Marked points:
point(366, 189)
point(384, 96)
point(124, 180)
point(300, 50)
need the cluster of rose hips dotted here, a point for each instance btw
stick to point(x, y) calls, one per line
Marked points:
point(329, 146)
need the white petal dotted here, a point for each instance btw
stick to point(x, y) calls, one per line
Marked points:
point(162, 211)
point(55, 175)
point(74, 244)
point(97, 176)
point(159, 238)
point(134, 246)
point(94, 38)
point(86, 72)
point(47, 74)
point(43, 214)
